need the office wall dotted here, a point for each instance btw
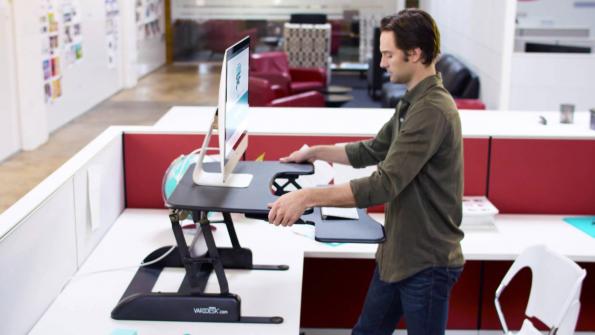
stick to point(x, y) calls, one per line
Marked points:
point(480, 33)
point(91, 80)
point(151, 56)
point(150, 48)
point(27, 40)
point(542, 81)
point(9, 127)
point(557, 13)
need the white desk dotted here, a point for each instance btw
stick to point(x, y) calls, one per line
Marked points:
point(367, 122)
point(84, 306)
point(86, 302)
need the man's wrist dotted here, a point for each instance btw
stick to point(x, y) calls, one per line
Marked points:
point(308, 197)
point(314, 151)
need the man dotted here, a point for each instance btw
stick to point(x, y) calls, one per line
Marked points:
point(419, 179)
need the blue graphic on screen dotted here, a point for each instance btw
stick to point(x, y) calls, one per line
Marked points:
point(236, 104)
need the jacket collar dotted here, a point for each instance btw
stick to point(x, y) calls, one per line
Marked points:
point(411, 96)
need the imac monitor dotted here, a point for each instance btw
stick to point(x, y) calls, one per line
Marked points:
point(231, 120)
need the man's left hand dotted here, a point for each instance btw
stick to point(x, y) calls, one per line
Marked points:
point(288, 208)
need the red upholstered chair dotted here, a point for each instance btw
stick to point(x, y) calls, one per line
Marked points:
point(264, 94)
point(274, 66)
point(470, 104)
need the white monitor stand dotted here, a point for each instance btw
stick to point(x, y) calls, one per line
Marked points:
point(201, 177)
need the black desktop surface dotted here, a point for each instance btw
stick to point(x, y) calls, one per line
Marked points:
point(251, 200)
point(363, 230)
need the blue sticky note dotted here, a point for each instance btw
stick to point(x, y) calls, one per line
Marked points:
point(586, 224)
point(124, 332)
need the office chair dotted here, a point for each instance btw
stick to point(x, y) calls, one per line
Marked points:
point(555, 291)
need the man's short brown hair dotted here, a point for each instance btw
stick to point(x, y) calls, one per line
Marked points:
point(414, 28)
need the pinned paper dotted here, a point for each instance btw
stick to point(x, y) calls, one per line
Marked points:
point(94, 175)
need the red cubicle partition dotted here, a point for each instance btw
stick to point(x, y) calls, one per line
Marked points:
point(146, 157)
point(475, 153)
point(542, 176)
point(152, 154)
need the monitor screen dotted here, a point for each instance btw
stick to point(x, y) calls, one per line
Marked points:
point(231, 124)
point(236, 100)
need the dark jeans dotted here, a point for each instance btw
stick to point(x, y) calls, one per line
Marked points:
point(421, 298)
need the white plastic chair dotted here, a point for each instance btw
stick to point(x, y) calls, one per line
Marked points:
point(555, 290)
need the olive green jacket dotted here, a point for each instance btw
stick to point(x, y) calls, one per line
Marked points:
point(419, 153)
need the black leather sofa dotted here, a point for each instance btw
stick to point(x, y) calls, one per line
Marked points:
point(458, 79)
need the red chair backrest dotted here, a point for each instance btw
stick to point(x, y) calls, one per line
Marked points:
point(470, 104)
point(260, 92)
point(269, 62)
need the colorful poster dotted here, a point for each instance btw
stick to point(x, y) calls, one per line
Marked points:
point(72, 34)
point(56, 89)
point(47, 69)
point(50, 50)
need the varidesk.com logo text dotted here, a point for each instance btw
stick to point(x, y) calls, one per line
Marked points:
point(210, 310)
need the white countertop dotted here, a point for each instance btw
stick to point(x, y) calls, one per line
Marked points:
point(88, 299)
point(85, 304)
point(367, 122)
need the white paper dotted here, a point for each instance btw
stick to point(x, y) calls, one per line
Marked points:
point(304, 230)
point(340, 213)
point(323, 174)
point(94, 175)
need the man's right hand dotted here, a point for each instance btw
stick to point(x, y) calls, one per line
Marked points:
point(327, 153)
point(300, 156)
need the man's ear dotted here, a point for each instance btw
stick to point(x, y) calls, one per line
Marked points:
point(414, 55)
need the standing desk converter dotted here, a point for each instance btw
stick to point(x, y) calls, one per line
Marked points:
point(190, 303)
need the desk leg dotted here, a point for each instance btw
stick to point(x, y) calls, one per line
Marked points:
point(231, 230)
point(213, 252)
point(191, 268)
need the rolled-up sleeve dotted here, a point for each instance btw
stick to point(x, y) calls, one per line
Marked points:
point(419, 138)
point(371, 152)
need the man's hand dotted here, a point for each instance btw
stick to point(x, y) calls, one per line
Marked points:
point(288, 208)
point(327, 153)
point(300, 156)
